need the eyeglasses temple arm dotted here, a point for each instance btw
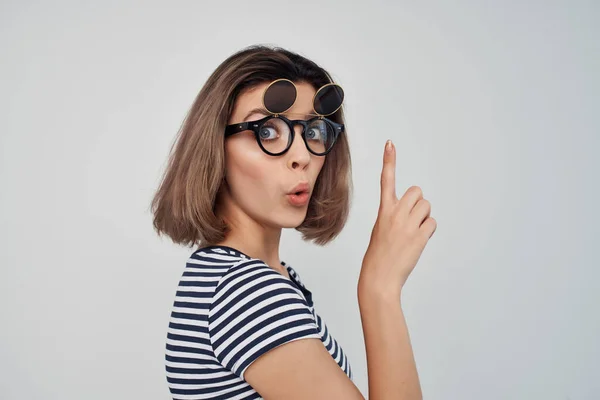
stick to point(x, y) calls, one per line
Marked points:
point(235, 128)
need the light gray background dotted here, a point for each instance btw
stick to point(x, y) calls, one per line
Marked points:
point(494, 109)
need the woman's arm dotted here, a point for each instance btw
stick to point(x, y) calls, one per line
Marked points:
point(303, 369)
point(390, 361)
point(401, 232)
point(299, 370)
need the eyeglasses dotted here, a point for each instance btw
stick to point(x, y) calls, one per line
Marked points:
point(275, 134)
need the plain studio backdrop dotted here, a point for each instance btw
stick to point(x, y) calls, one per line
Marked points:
point(494, 109)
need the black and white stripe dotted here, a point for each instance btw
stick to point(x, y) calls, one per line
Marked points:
point(228, 310)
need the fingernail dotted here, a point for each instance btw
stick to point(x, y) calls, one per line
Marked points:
point(388, 146)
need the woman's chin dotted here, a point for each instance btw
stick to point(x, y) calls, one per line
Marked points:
point(291, 220)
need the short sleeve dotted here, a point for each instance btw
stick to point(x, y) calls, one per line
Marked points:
point(255, 309)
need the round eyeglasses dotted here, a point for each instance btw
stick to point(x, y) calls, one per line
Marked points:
point(275, 134)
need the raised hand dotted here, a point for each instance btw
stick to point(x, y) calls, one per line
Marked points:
point(403, 228)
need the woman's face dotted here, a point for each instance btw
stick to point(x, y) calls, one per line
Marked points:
point(259, 184)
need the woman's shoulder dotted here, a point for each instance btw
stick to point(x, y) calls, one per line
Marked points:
point(218, 253)
point(224, 260)
point(207, 266)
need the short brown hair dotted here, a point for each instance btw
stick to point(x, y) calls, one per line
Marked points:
point(184, 204)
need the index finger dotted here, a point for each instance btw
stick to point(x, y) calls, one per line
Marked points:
point(388, 174)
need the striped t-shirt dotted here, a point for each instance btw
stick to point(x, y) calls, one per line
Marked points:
point(230, 309)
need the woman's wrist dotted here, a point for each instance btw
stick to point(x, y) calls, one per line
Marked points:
point(371, 294)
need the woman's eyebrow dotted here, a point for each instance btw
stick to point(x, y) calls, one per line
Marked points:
point(263, 111)
point(258, 110)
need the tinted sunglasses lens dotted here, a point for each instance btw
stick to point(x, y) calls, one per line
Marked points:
point(279, 96)
point(274, 135)
point(328, 99)
point(320, 136)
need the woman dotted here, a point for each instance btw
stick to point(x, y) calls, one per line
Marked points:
point(264, 148)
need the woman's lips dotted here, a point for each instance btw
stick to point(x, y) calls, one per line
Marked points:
point(300, 199)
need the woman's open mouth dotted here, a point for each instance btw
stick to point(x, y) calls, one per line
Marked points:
point(298, 198)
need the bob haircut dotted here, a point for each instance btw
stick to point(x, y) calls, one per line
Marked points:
point(185, 204)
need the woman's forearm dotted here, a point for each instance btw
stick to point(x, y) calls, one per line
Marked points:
point(392, 371)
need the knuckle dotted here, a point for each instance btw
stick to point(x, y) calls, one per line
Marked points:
point(416, 190)
point(431, 225)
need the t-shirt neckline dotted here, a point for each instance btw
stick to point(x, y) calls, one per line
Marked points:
point(239, 253)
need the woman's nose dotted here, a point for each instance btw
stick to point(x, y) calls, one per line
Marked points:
point(298, 154)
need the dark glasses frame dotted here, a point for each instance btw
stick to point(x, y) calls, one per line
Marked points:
point(255, 127)
point(280, 95)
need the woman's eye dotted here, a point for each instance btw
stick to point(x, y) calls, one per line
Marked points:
point(268, 132)
point(315, 134)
